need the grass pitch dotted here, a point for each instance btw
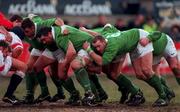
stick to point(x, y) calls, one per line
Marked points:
point(111, 104)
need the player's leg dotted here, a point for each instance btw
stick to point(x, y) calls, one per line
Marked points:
point(68, 84)
point(123, 82)
point(40, 76)
point(82, 77)
point(20, 69)
point(43, 61)
point(172, 58)
point(100, 91)
point(63, 80)
point(169, 92)
point(142, 60)
point(53, 74)
point(31, 81)
point(123, 90)
point(143, 67)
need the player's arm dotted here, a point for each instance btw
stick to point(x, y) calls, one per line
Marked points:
point(51, 22)
point(93, 33)
point(150, 38)
point(154, 36)
point(6, 33)
point(70, 53)
point(17, 52)
point(94, 68)
point(106, 58)
point(1, 61)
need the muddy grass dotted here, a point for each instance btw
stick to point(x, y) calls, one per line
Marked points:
point(107, 107)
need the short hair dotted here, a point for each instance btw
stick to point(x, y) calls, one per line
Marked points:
point(4, 44)
point(27, 23)
point(15, 17)
point(18, 31)
point(44, 31)
point(98, 37)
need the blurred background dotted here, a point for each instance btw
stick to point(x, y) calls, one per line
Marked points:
point(150, 15)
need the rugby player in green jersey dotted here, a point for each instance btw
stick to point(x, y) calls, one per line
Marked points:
point(119, 43)
point(164, 47)
point(31, 27)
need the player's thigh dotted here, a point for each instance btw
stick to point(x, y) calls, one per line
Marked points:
point(35, 53)
point(19, 65)
point(173, 62)
point(42, 62)
point(77, 63)
point(115, 69)
point(31, 61)
point(136, 63)
point(156, 69)
point(53, 69)
point(146, 64)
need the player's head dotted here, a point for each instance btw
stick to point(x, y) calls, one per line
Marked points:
point(16, 20)
point(4, 47)
point(45, 35)
point(99, 43)
point(28, 27)
point(19, 32)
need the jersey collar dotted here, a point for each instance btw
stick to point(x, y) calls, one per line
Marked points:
point(35, 25)
point(53, 32)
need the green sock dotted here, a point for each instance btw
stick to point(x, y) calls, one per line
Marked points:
point(94, 90)
point(176, 71)
point(178, 80)
point(165, 87)
point(41, 77)
point(155, 82)
point(124, 82)
point(69, 85)
point(95, 80)
point(163, 81)
point(58, 84)
point(83, 78)
point(31, 83)
point(120, 87)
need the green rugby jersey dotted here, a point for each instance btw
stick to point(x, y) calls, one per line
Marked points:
point(119, 43)
point(76, 36)
point(160, 45)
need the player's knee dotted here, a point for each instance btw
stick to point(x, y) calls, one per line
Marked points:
point(23, 67)
point(20, 73)
point(75, 65)
point(114, 76)
point(147, 71)
point(140, 75)
point(36, 68)
point(173, 66)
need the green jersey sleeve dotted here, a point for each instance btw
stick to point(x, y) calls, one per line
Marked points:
point(63, 43)
point(37, 19)
point(153, 36)
point(47, 22)
point(110, 52)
